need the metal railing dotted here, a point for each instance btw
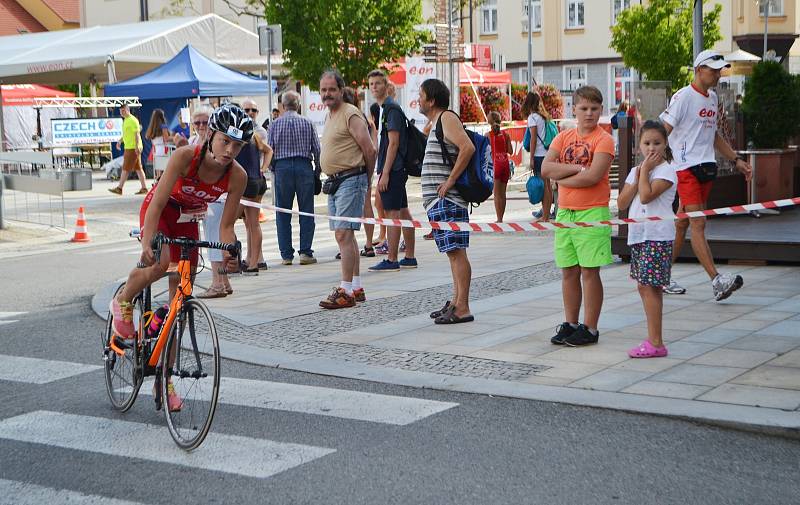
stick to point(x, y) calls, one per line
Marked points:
point(30, 190)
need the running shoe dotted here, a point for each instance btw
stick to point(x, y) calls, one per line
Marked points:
point(360, 295)
point(382, 248)
point(174, 402)
point(122, 312)
point(286, 261)
point(582, 336)
point(725, 284)
point(338, 299)
point(562, 331)
point(307, 259)
point(408, 263)
point(386, 266)
point(673, 289)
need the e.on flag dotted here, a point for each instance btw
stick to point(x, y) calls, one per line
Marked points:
point(417, 71)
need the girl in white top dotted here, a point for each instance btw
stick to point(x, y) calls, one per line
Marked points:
point(649, 191)
point(537, 115)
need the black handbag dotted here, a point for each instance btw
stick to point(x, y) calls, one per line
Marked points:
point(705, 172)
point(317, 184)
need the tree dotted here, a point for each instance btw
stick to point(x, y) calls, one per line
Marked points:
point(771, 106)
point(353, 37)
point(656, 39)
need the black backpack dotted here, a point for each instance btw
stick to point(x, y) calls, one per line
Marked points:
point(415, 144)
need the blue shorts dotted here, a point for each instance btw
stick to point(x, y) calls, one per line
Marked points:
point(447, 211)
point(348, 201)
point(395, 197)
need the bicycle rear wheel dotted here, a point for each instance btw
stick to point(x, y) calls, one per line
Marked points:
point(122, 370)
point(193, 369)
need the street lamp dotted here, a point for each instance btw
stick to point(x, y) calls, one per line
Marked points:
point(766, 4)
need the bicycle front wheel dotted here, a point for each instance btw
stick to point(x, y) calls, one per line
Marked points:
point(191, 369)
point(122, 368)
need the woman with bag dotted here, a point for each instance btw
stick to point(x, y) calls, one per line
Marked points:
point(501, 149)
point(538, 116)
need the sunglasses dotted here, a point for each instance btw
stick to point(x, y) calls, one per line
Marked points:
point(251, 110)
point(200, 123)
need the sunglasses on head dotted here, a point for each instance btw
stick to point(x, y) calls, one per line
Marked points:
point(251, 110)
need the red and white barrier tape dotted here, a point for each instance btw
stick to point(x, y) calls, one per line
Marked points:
point(534, 226)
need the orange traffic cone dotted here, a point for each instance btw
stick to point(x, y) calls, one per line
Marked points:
point(262, 216)
point(81, 232)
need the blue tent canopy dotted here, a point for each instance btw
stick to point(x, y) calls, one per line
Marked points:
point(189, 74)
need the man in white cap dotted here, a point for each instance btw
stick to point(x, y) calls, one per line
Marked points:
point(691, 120)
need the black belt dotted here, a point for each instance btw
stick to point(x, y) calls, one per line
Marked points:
point(349, 173)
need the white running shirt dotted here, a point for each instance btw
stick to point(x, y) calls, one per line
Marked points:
point(661, 206)
point(693, 117)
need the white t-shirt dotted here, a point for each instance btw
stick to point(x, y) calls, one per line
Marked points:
point(661, 206)
point(693, 117)
point(537, 120)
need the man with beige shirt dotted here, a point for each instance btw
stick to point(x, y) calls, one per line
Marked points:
point(347, 159)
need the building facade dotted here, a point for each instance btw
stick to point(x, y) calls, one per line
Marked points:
point(571, 39)
point(112, 12)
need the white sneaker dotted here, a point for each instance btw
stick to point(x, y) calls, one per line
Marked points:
point(725, 284)
point(673, 289)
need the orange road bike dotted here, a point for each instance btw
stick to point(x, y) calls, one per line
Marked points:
point(184, 354)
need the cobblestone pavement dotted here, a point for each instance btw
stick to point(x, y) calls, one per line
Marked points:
point(301, 334)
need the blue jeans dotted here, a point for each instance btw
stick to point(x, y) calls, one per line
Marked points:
point(294, 176)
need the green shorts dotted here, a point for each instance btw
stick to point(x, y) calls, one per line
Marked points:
point(586, 247)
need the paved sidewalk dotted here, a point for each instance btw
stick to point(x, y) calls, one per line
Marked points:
point(734, 362)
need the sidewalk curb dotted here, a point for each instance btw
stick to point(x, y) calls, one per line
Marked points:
point(753, 419)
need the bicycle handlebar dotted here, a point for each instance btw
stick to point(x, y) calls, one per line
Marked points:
point(234, 249)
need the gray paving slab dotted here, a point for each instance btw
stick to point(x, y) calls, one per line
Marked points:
point(701, 375)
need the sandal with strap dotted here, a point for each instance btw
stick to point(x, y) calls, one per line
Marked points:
point(647, 350)
point(450, 317)
point(368, 252)
point(214, 292)
point(437, 313)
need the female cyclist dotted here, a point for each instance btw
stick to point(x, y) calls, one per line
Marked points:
point(194, 177)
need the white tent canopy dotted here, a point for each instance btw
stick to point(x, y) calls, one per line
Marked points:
point(119, 52)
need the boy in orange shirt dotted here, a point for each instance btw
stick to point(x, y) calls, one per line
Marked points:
point(579, 160)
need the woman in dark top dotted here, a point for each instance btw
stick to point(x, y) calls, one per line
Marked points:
point(255, 158)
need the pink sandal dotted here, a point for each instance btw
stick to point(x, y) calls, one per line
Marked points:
point(647, 350)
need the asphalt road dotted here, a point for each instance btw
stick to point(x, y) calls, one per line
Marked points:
point(478, 450)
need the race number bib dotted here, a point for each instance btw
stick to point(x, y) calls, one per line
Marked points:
point(192, 215)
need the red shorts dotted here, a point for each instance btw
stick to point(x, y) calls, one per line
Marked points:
point(502, 169)
point(168, 225)
point(690, 190)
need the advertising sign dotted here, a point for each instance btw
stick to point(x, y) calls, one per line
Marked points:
point(98, 130)
point(417, 71)
point(314, 109)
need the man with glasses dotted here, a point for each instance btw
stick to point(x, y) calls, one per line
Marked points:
point(691, 120)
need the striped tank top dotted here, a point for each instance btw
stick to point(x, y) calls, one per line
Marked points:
point(436, 170)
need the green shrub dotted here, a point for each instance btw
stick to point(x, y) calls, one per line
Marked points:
point(771, 106)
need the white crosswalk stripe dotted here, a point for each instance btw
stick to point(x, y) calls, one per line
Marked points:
point(234, 454)
point(20, 493)
point(39, 371)
point(341, 403)
point(5, 315)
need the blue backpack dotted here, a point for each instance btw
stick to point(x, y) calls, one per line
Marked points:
point(476, 182)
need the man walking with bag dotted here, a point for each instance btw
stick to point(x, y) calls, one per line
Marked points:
point(348, 159)
point(691, 120)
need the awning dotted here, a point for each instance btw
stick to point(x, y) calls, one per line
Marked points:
point(187, 75)
point(69, 56)
point(23, 94)
point(471, 75)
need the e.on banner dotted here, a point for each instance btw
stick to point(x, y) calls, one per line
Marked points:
point(314, 109)
point(417, 71)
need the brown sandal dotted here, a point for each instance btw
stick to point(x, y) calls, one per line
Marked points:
point(213, 292)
